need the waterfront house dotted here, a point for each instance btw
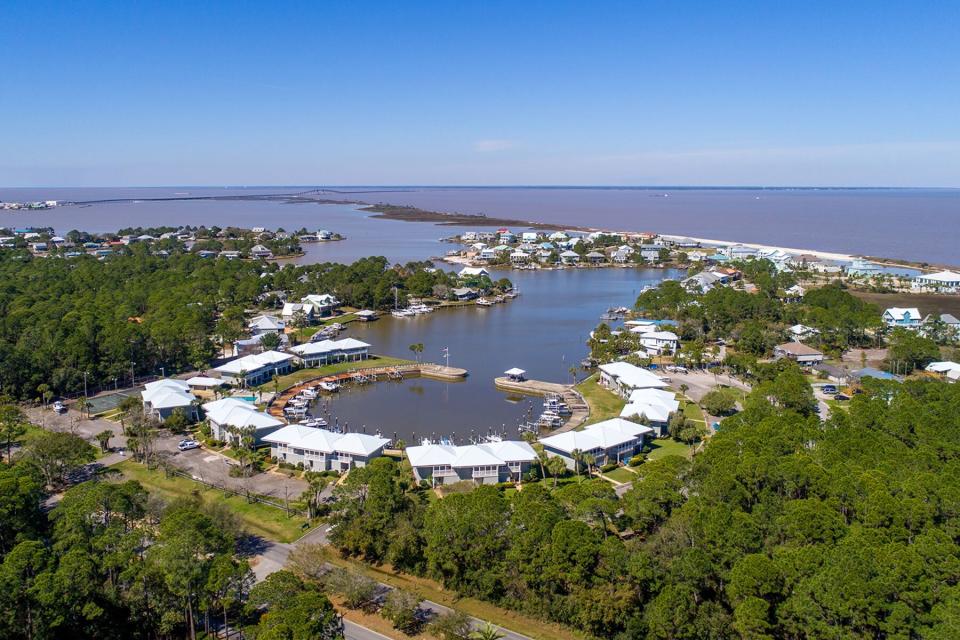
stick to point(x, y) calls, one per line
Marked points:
point(462, 294)
point(265, 324)
point(613, 440)
point(558, 236)
point(904, 317)
point(519, 257)
point(801, 332)
point(802, 354)
point(323, 304)
point(487, 253)
point(323, 450)
point(230, 417)
point(659, 342)
point(317, 354)
point(595, 257)
point(651, 252)
point(530, 236)
point(569, 257)
point(473, 272)
point(291, 310)
point(486, 463)
point(255, 369)
point(229, 255)
point(260, 251)
point(508, 238)
point(623, 378)
point(162, 398)
point(940, 282)
point(655, 406)
point(623, 254)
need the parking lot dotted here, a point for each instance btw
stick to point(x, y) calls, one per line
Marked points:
point(700, 382)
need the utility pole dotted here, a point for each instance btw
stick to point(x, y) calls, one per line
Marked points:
point(133, 375)
point(85, 374)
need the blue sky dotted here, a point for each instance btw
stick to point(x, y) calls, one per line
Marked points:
point(633, 93)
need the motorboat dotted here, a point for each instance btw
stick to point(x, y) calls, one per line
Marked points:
point(329, 386)
point(483, 302)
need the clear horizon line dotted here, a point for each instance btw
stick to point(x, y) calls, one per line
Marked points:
point(497, 186)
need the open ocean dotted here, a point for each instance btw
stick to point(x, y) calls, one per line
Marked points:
point(913, 224)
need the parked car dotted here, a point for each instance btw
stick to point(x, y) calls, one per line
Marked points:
point(59, 407)
point(829, 389)
point(186, 445)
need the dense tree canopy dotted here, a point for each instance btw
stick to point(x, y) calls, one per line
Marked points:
point(62, 318)
point(783, 527)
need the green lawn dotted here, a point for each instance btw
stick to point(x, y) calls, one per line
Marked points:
point(691, 410)
point(621, 474)
point(259, 519)
point(302, 375)
point(664, 447)
point(603, 404)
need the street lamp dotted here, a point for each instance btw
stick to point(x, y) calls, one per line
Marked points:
point(85, 374)
point(133, 375)
point(163, 372)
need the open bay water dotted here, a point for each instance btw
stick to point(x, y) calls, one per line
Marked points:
point(543, 331)
point(910, 224)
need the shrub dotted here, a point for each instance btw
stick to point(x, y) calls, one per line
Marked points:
point(638, 460)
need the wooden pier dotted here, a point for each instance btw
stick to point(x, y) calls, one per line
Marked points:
point(580, 411)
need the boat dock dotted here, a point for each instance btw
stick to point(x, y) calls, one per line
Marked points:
point(578, 406)
point(366, 375)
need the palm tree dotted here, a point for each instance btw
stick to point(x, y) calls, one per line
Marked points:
point(577, 456)
point(83, 406)
point(573, 373)
point(486, 632)
point(417, 349)
point(541, 455)
point(589, 459)
point(557, 467)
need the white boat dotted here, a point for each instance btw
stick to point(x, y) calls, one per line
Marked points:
point(483, 302)
point(308, 394)
point(400, 313)
point(317, 423)
point(329, 387)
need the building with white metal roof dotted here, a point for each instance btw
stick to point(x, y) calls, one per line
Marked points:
point(613, 440)
point(486, 463)
point(323, 450)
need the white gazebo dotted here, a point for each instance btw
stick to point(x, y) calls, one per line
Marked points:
point(515, 374)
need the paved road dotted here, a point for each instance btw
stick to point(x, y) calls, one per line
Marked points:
point(353, 631)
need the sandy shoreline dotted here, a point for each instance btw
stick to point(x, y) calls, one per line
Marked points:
point(826, 255)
